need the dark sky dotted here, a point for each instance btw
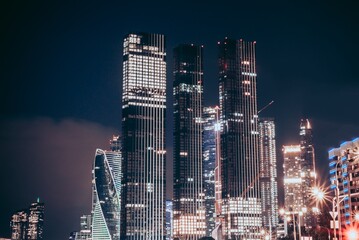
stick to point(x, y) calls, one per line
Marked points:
point(60, 83)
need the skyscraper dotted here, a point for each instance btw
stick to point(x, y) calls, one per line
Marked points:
point(241, 210)
point(293, 190)
point(188, 196)
point(35, 227)
point(106, 195)
point(210, 122)
point(28, 224)
point(143, 126)
point(268, 180)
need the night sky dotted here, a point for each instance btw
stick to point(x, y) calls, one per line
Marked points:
point(61, 79)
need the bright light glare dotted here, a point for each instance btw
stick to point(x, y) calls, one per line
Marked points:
point(356, 216)
point(352, 234)
point(281, 211)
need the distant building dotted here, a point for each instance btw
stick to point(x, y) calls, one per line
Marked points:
point(106, 194)
point(169, 220)
point(85, 229)
point(293, 195)
point(268, 179)
point(344, 179)
point(308, 172)
point(210, 122)
point(300, 177)
point(28, 224)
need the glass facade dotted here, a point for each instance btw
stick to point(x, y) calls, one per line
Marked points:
point(106, 195)
point(210, 122)
point(188, 196)
point(143, 205)
point(268, 180)
point(240, 171)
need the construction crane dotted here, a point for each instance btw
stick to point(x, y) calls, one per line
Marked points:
point(266, 106)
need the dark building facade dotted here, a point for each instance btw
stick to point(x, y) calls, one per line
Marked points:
point(241, 209)
point(143, 203)
point(188, 196)
point(28, 224)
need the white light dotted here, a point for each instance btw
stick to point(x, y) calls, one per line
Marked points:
point(292, 180)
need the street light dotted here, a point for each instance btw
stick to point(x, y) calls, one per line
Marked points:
point(287, 214)
point(352, 234)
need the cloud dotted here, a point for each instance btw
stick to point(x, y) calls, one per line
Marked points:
point(52, 160)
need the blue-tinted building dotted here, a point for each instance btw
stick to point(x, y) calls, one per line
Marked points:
point(106, 194)
point(344, 180)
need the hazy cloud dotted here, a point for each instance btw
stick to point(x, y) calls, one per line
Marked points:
point(52, 160)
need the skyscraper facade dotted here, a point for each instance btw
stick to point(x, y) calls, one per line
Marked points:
point(344, 180)
point(268, 180)
point(188, 192)
point(143, 126)
point(28, 224)
point(241, 210)
point(106, 197)
point(210, 122)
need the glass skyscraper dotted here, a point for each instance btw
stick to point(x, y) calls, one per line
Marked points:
point(188, 196)
point(241, 209)
point(107, 193)
point(268, 180)
point(143, 126)
point(210, 122)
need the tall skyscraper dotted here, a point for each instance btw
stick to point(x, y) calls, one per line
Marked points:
point(241, 210)
point(210, 122)
point(106, 195)
point(188, 192)
point(268, 180)
point(28, 224)
point(344, 179)
point(143, 126)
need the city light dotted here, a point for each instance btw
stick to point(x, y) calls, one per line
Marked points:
point(356, 216)
point(352, 234)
